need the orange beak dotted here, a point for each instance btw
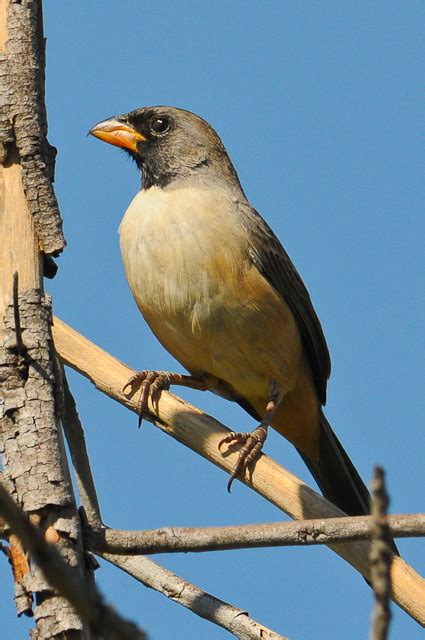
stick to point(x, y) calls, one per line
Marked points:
point(117, 133)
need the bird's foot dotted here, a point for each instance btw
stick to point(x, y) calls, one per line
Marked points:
point(150, 383)
point(253, 443)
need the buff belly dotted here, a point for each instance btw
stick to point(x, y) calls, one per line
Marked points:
point(207, 304)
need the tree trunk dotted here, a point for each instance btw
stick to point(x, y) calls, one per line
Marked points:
point(35, 466)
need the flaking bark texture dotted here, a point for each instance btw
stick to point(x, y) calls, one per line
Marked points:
point(23, 118)
point(34, 465)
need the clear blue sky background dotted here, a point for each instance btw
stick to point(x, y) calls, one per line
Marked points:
point(319, 105)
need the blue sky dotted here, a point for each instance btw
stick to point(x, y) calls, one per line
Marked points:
point(319, 105)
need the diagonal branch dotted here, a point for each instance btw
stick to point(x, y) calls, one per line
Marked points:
point(192, 427)
point(274, 534)
point(74, 434)
point(151, 574)
point(84, 598)
point(234, 620)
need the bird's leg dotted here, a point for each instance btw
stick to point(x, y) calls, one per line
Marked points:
point(252, 440)
point(151, 383)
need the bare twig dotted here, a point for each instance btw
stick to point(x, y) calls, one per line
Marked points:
point(77, 446)
point(202, 434)
point(83, 597)
point(274, 534)
point(380, 557)
point(234, 620)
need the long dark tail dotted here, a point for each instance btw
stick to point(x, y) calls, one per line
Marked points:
point(336, 475)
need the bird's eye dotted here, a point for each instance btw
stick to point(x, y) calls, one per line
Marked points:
point(160, 125)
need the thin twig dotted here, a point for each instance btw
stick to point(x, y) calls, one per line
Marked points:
point(75, 438)
point(380, 557)
point(84, 597)
point(274, 534)
point(234, 620)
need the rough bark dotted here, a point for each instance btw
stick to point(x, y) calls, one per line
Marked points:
point(35, 471)
point(35, 467)
point(23, 119)
point(84, 596)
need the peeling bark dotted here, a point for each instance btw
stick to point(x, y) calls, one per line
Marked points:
point(23, 119)
point(35, 469)
point(34, 461)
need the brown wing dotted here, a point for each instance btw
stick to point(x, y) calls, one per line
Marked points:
point(275, 265)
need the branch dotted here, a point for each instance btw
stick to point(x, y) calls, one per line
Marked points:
point(380, 557)
point(152, 575)
point(156, 577)
point(275, 534)
point(77, 446)
point(84, 598)
point(195, 429)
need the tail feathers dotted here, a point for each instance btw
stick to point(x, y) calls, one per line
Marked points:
point(336, 475)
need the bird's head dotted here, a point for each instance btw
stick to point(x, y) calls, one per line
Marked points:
point(167, 144)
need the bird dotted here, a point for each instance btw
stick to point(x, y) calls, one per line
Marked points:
point(220, 293)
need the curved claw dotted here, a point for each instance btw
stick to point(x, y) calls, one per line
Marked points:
point(137, 377)
point(230, 482)
point(253, 443)
point(161, 383)
point(223, 441)
point(234, 436)
point(127, 384)
point(151, 383)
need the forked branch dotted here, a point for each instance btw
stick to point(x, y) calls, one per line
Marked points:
point(152, 575)
point(202, 434)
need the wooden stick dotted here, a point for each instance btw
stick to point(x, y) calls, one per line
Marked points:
point(75, 438)
point(321, 531)
point(201, 433)
point(236, 621)
point(249, 536)
point(152, 575)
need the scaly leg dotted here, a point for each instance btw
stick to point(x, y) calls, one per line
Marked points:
point(151, 383)
point(253, 440)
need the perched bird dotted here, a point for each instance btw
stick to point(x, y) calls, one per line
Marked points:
point(221, 294)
